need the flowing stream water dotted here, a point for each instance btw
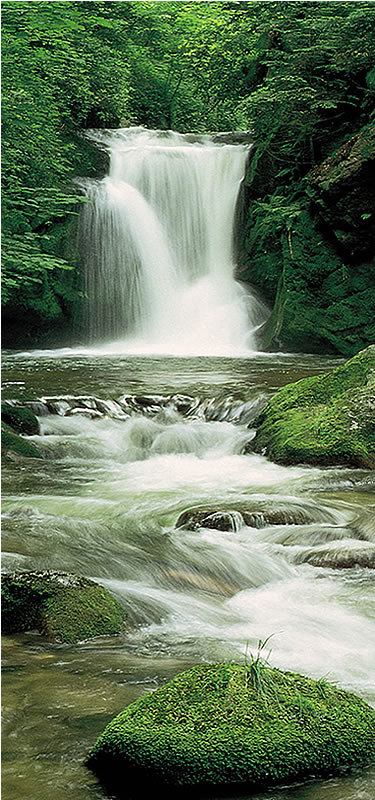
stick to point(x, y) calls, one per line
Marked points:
point(130, 442)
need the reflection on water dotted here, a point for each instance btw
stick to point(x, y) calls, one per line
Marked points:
point(104, 503)
point(67, 371)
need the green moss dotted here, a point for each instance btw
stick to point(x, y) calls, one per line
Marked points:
point(224, 724)
point(22, 420)
point(326, 419)
point(321, 300)
point(14, 445)
point(61, 606)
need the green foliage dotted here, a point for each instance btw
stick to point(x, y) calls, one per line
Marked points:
point(310, 74)
point(300, 75)
point(51, 85)
point(211, 726)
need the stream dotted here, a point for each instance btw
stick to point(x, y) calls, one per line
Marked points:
point(130, 442)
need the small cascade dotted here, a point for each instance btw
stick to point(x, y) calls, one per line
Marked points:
point(156, 241)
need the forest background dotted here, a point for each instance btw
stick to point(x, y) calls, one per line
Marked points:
point(299, 75)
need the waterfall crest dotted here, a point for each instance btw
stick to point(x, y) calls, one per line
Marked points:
point(156, 241)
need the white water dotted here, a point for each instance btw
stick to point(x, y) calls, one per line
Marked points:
point(156, 241)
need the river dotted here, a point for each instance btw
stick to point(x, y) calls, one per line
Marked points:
point(104, 503)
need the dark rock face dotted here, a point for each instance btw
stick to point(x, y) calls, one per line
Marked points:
point(343, 191)
point(314, 261)
point(327, 419)
point(61, 606)
point(49, 315)
point(225, 725)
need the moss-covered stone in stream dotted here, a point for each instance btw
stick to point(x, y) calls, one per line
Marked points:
point(326, 419)
point(15, 446)
point(61, 606)
point(224, 725)
point(21, 419)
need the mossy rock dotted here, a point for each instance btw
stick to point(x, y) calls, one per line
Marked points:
point(321, 302)
point(21, 419)
point(326, 419)
point(15, 446)
point(61, 606)
point(225, 725)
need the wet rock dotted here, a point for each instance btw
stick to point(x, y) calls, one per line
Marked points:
point(56, 406)
point(221, 726)
point(38, 407)
point(61, 606)
point(20, 419)
point(112, 409)
point(324, 420)
point(233, 137)
point(89, 413)
point(343, 557)
point(230, 519)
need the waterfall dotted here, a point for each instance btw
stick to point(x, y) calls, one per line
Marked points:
point(156, 242)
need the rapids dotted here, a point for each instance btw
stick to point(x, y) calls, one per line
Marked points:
point(130, 443)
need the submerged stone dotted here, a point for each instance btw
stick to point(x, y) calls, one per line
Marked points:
point(61, 606)
point(225, 725)
point(345, 557)
point(327, 419)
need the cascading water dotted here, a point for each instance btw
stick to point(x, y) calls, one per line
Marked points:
point(156, 240)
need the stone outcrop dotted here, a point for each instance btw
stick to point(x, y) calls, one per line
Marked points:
point(20, 418)
point(313, 260)
point(326, 419)
point(343, 191)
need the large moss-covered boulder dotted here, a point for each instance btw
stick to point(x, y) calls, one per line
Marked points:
point(224, 725)
point(326, 419)
point(61, 606)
